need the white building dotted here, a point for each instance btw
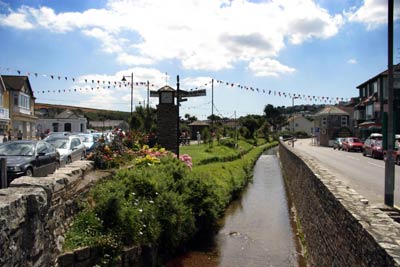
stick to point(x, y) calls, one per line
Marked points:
point(299, 123)
point(66, 121)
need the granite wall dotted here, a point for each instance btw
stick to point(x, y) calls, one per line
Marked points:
point(341, 228)
point(35, 212)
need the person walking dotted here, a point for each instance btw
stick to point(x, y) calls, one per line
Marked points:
point(198, 135)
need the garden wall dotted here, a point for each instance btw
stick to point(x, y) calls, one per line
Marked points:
point(36, 212)
point(340, 228)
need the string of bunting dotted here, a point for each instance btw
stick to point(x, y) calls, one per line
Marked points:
point(284, 94)
point(107, 83)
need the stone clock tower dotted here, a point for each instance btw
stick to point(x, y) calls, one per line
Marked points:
point(166, 119)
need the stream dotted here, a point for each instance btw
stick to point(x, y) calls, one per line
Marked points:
point(257, 229)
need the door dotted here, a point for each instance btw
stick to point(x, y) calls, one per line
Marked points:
point(41, 160)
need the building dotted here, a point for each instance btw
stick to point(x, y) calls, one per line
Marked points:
point(299, 123)
point(4, 110)
point(65, 121)
point(372, 103)
point(109, 125)
point(18, 101)
point(330, 123)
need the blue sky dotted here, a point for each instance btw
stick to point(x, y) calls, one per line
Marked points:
point(320, 48)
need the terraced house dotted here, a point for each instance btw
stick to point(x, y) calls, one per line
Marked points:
point(17, 106)
point(373, 102)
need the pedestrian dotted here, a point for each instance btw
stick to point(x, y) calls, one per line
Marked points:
point(19, 135)
point(9, 136)
point(198, 135)
point(5, 138)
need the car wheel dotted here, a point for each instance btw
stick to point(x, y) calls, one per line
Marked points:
point(364, 154)
point(69, 160)
point(373, 155)
point(29, 172)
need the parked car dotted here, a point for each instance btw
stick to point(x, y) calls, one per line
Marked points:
point(373, 148)
point(352, 144)
point(29, 158)
point(70, 148)
point(375, 136)
point(88, 141)
point(338, 144)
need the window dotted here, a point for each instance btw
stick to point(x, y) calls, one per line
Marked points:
point(23, 101)
point(1, 99)
point(55, 127)
point(344, 121)
point(67, 127)
point(375, 87)
point(369, 111)
point(323, 121)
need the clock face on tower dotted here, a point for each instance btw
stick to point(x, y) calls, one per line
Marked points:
point(167, 98)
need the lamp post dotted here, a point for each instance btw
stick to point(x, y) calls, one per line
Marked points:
point(124, 80)
point(293, 98)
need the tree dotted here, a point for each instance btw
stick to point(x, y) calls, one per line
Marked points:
point(252, 123)
point(274, 116)
point(143, 119)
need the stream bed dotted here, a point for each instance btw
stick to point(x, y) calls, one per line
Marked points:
point(257, 229)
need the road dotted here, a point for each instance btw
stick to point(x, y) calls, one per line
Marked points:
point(363, 174)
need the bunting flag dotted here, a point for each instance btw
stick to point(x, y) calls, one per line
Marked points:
point(325, 99)
point(66, 78)
point(95, 84)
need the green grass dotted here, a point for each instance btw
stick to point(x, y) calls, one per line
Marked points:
point(203, 153)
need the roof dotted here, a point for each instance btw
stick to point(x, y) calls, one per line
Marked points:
point(331, 110)
point(166, 88)
point(199, 123)
point(396, 69)
point(16, 83)
point(69, 114)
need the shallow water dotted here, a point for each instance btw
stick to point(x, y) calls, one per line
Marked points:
point(256, 230)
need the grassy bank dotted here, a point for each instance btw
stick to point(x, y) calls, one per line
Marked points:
point(165, 204)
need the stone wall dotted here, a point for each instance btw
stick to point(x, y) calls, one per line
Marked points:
point(35, 213)
point(341, 228)
point(167, 126)
point(130, 257)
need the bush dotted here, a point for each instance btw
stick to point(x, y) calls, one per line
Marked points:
point(162, 204)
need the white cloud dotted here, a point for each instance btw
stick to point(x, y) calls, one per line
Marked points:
point(269, 67)
point(373, 13)
point(202, 35)
point(352, 61)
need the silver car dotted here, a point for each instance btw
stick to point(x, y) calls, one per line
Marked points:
point(70, 148)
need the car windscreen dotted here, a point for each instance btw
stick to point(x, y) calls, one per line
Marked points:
point(378, 143)
point(86, 138)
point(59, 143)
point(17, 149)
point(354, 140)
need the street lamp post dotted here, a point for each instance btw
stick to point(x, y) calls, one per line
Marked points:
point(124, 80)
point(293, 98)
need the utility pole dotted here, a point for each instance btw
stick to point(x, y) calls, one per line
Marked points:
point(148, 95)
point(212, 105)
point(235, 128)
point(177, 115)
point(389, 164)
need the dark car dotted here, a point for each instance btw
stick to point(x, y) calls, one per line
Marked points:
point(338, 143)
point(352, 144)
point(29, 158)
point(373, 148)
